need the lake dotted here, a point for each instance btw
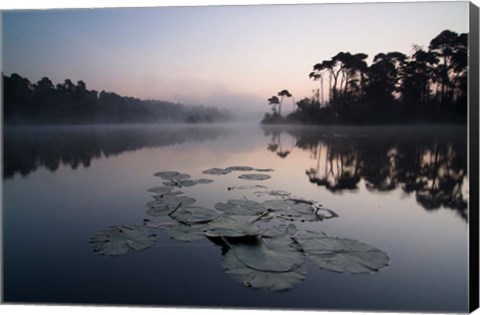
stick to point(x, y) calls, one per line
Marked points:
point(403, 190)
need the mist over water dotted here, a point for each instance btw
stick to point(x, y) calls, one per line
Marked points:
point(402, 189)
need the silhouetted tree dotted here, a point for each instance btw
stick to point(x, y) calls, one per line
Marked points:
point(274, 101)
point(44, 103)
point(282, 94)
point(317, 75)
point(427, 86)
point(17, 96)
point(384, 76)
point(417, 77)
point(443, 47)
point(357, 72)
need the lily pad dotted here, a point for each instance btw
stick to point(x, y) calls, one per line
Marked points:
point(216, 171)
point(119, 240)
point(247, 187)
point(169, 194)
point(280, 231)
point(179, 177)
point(186, 182)
point(173, 176)
point(226, 226)
point(326, 213)
point(275, 254)
point(204, 181)
point(297, 209)
point(301, 200)
point(167, 204)
point(275, 193)
point(240, 168)
point(180, 183)
point(254, 176)
point(157, 224)
point(262, 280)
point(192, 215)
point(264, 170)
point(167, 174)
point(185, 232)
point(340, 254)
point(289, 206)
point(240, 207)
point(160, 189)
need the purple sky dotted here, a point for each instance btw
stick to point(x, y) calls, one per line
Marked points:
point(229, 56)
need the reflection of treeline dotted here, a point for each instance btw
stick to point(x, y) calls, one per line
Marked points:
point(430, 163)
point(67, 103)
point(28, 148)
point(426, 86)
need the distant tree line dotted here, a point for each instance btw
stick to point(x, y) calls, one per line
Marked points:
point(45, 103)
point(426, 86)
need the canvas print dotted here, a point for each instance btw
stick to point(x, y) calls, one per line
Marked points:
point(310, 157)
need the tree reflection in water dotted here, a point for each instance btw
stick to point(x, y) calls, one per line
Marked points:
point(428, 161)
point(28, 148)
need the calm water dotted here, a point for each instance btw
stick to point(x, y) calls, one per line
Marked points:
point(401, 189)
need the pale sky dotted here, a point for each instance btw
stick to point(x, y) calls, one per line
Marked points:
point(228, 56)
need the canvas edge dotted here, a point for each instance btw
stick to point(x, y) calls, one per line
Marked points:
point(474, 157)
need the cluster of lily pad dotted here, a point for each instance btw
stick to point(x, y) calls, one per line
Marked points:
point(228, 170)
point(177, 179)
point(262, 248)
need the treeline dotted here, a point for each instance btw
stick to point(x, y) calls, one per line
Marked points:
point(428, 86)
point(43, 103)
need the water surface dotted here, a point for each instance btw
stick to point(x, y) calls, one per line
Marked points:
point(401, 189)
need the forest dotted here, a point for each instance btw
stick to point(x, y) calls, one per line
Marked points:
point(43, 103)
point(427, 86)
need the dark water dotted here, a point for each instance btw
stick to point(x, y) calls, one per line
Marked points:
point(401, 189)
